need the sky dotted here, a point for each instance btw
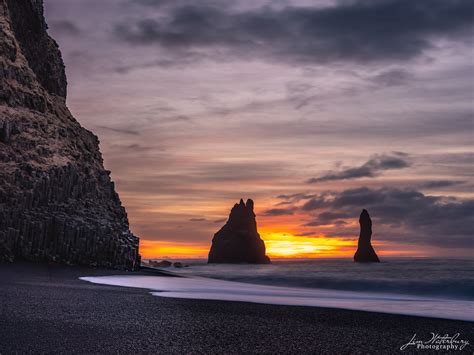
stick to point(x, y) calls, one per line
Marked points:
point(314, 109)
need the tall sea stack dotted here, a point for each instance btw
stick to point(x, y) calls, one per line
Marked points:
point(57, 202)
point(365, 252)
point(238, 241)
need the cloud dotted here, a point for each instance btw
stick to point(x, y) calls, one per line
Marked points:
point(314, 203)
point(296, 197)
point(372, 168)
point(394, 127)
point(155, 3)
point(119, 130)
point(279, 212)
point(65, 27)
point(405, 215)
point(162, 62)
point(229, 171)
point(222, 220)
point(440, 184)
point(327, 218)
point(197, 219)
point(168, 3)
point(393, 77)
point(124, 148)
point(357, 31)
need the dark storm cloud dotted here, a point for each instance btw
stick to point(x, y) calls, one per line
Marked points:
point(360, 31)
point(279, 212)
point(371, 168)
point(436, 220)
point(65, 27)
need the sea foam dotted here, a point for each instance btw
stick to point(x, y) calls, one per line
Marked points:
point(211, 289)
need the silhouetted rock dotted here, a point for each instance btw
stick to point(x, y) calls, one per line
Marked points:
point(365, 252)
point(162, 263)
point(238, 241)
point(178, 264)
point(57, 202)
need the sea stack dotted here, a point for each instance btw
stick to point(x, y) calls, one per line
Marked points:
point(238, 240)
point(57, 202)
point(365, 252)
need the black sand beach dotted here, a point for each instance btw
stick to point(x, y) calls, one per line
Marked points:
point(47, 309)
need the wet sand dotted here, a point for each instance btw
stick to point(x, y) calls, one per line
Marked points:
point(47, 309)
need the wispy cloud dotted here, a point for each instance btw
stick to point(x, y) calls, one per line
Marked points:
point(434, 184)
point(119, 130)
point(279, 212)
point(372, 168)
point(326, 218)
point(392, 77)
point(65, 28)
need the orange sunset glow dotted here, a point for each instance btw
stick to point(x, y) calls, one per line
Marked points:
point(282, 235)
point(278, 245)
point(284, 238)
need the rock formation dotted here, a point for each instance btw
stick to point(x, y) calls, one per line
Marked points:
point(238, 241)
point(365, 252)
point(57, 202)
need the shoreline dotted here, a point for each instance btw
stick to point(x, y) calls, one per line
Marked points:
point(205, 288)
point(46, 308)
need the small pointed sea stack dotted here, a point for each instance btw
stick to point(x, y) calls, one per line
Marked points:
point(238, 240)
point(365, 252)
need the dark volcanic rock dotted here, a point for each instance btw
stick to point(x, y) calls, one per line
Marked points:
point(238, 241)
point(57, 202)
point(40, 50)
point(365, 252)
point(162, 263)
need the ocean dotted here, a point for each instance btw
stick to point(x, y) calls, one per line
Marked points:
point(439, 278)
point(440, 288)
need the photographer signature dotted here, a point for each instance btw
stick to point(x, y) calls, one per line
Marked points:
point(437, 342)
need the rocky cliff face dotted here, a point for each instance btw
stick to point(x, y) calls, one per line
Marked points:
point(238, 241)
point(365, 252)
point(57, 203)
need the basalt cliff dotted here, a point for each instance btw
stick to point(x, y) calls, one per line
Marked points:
point(57, 202)
point(365, 252)
point(238, 240)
